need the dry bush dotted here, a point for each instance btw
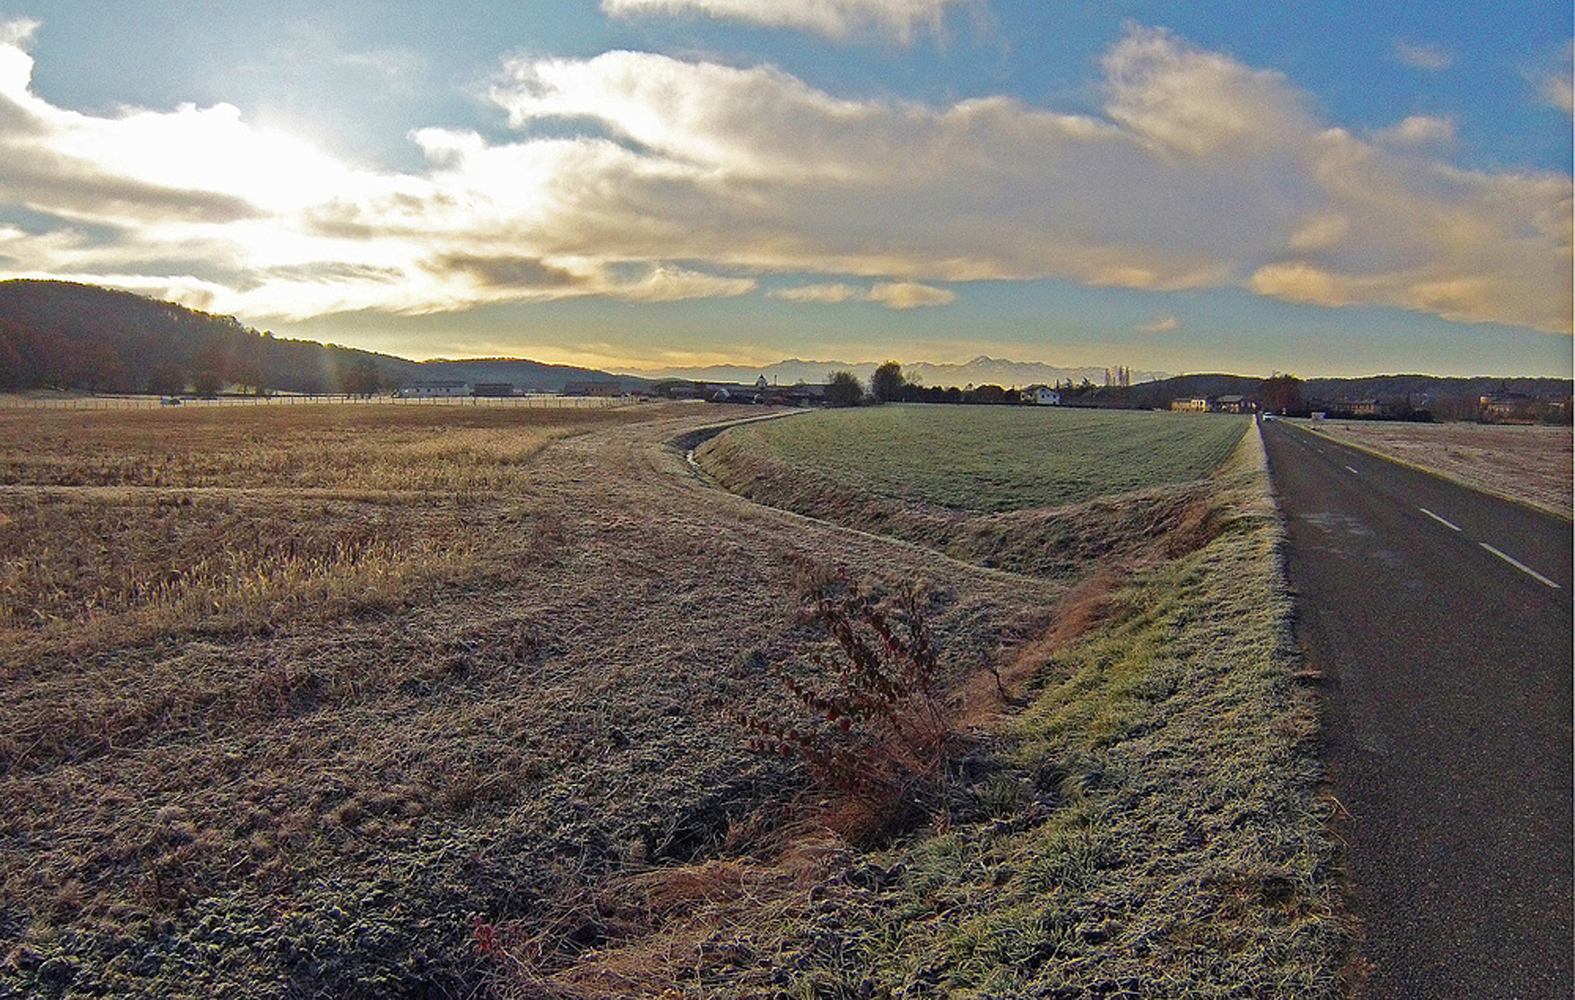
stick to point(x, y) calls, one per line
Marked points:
point(882, 750)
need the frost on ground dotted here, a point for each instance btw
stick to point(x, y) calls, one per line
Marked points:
point(330, 721)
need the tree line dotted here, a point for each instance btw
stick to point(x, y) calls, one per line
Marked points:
point(888, 385)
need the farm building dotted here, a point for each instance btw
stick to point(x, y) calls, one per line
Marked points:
point(592, 389)
point(493, 389)
point(798, 394)
point(732, 393)
point(1231, 404)
point(1195, 404)
point(432, 389)
point(1041, 395)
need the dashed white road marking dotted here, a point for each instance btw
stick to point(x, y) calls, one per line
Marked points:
point(1520, 566)
point(1353, 471)
point(1445, 522)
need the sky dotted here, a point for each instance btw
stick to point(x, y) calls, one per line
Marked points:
point(1338, 188)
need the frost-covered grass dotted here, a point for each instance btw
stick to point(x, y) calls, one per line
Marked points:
point(1174, 846)
point(997, 458)
point(1146, 825)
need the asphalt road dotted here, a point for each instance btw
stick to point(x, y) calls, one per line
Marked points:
point(1440, 619)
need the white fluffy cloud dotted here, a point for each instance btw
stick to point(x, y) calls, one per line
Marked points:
point(653, 178)
point(831, 18)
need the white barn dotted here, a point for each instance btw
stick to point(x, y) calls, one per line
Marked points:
point(427, 390)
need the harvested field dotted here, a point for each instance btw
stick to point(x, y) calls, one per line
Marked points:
point(377, 702)
point(1529, 464)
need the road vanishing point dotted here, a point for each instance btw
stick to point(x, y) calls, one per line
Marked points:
point(1439, 619)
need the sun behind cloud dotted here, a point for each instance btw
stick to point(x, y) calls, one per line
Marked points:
point(650, 178)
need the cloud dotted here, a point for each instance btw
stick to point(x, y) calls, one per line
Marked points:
point(527, 273)
point(1419, 130)
point(17, 33)
point(392, 65)
point(1161, 324)
point(836, 19)
point(910, 295)
point(1187, 100)
point(892, 294)
point(650, 178)
point(1557, 87)
point(831, 293)
point(1424, 57)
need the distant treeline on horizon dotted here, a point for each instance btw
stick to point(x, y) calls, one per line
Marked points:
point(64, 335)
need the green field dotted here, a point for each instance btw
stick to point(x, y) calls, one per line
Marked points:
point(997, 458)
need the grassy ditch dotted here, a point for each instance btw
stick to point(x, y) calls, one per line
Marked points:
point(1143, 824)
point(1053, 494)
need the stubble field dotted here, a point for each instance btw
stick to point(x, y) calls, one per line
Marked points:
point(432, 702)
point(1529, 464)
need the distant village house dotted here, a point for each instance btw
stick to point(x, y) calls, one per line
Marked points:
point(1509, 408)
point(1213, 404)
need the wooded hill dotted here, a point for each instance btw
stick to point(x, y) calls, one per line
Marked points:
point(57, 334)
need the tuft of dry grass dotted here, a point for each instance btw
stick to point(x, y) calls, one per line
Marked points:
point(120, 525)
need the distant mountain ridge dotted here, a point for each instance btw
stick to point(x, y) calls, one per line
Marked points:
point(982, 370)
point(66, 335)
point(531, 376)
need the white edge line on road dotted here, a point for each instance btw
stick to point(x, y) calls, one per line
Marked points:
point(1446, 523)
point(1353, 471)
point(1520, 566)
